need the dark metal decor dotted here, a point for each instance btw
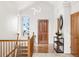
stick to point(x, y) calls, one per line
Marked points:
point(58, 39)
point(61, 22)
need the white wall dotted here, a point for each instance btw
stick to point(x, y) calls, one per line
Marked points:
point(45, 13)
point(63, 8)
point(8, 20)
point(74, 7)
point(67, 29)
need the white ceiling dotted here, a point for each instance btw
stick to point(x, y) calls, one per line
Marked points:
point(24, 4)
point(19, 5)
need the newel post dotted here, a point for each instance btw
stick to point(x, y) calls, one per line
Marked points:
point(28, 46)
point(16, 44)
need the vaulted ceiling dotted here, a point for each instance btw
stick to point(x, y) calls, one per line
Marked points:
point(19, 5)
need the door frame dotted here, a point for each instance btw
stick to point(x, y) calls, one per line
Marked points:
point(47, 31)
point(74, 37)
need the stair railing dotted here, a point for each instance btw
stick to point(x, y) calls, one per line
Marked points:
point(30, 45)
point(6, 46)
point(9, 47)
point(16, 44)
point(14, 51)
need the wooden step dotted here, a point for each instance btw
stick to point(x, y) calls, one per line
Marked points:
point(22, 51)
point(22, 55)
point(22, 48)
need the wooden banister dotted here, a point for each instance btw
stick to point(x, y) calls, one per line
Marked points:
point(9, 48)
point(7, 40)
point(12, 45)
point(30, 45)
point(13, 51)
point(16, 46)
point(6, 46)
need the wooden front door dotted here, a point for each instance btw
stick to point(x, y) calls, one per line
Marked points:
point(43, 32)
point(75, 34)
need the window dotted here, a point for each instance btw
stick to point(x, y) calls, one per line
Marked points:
point(25, 25)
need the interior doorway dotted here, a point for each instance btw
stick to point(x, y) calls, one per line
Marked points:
point(43, 36)
point(43, 31)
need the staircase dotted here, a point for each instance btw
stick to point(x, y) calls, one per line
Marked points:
point(22, 51)
point(23, 48)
